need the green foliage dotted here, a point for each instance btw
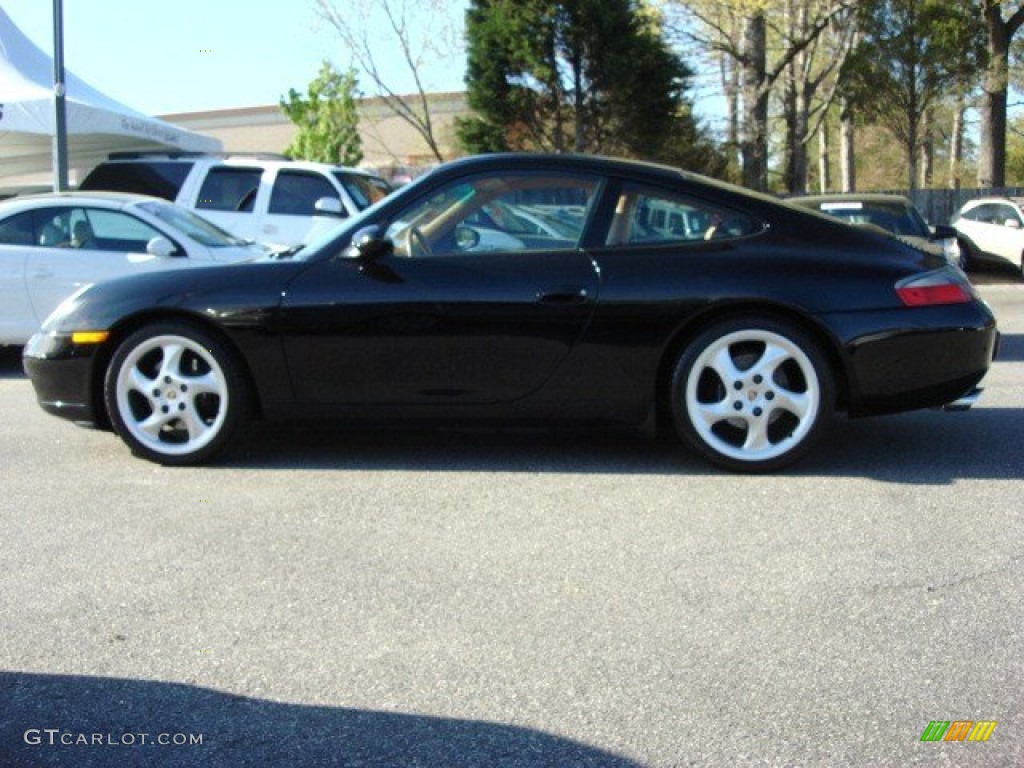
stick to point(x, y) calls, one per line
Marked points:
point(1015, 153)
point(911, 52)
point(572, 75)
point(326, 117)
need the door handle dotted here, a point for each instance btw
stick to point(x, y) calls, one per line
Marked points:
point(563, 297)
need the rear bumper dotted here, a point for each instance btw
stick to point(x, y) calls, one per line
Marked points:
point(937, 358)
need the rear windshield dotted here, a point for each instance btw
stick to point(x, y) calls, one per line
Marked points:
point(153, 177)
point(895, 217)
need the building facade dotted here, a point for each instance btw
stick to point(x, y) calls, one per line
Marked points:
point(391, 145)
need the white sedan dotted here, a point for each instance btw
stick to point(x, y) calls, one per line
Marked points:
point(53, 244)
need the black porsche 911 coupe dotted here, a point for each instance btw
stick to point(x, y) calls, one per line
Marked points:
point(532, 289)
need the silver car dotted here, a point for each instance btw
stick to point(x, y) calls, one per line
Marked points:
point(51, 245)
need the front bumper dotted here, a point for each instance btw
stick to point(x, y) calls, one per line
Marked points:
point(62, 374)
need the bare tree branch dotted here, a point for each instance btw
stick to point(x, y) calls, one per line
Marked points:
point(413, 41)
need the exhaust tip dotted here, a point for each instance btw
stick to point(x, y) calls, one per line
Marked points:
point(964, 402)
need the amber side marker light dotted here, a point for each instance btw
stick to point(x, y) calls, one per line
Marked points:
point(89, 337)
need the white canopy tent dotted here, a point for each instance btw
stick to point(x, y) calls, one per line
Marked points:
point(96, 124)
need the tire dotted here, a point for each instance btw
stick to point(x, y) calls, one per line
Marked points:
point(966, 255)
point(752, 394)
point(175, 394)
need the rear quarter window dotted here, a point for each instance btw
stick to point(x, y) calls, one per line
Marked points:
point(155, 178)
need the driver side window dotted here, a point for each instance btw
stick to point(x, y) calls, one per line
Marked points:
point(506, 214)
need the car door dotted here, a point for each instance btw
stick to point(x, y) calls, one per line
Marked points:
point(76, 245)
point(290, 211)
point(983, 224)
point(1008, 237)
point(452, 315)
point(229, 196)
point(18, 320)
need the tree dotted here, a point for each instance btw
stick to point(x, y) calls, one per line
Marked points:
point(911, 53)
point(999, 33)
point(1015, 152)
point(571, 75)
point(811, 81)
point(374, 29)
point(327, 120)
point(744, 31)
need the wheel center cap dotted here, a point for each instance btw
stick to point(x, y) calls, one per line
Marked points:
point(171, 394)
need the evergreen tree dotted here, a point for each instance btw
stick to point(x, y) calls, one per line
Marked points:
point(327, 120)
point(573, 75)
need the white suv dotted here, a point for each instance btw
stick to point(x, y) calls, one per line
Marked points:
point(256, 197)
point(992, 227)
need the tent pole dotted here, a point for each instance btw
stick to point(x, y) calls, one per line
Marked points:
point(60, 138)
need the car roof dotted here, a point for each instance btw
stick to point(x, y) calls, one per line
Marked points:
point(1016, 200)
point(598, 164)
point(74, 197)
point(850, 197)
point(263, 159)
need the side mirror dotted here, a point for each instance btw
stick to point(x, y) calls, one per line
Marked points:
point(1012, 224)
point(369, 244)
point(161, 247)
point(466, 238)
point(943, 232)
point(328, 206)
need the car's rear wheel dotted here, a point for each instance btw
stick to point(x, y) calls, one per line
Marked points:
point(966, 254)
point(175, 394)
point(752, 394)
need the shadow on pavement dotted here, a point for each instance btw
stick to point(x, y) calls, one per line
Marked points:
point(923, 447)
point(241, 731)
point(10, 363)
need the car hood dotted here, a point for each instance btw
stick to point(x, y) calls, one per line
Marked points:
point(230, 254)
point(215, 290)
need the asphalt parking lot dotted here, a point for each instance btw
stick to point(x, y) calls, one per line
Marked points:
point(459, 599)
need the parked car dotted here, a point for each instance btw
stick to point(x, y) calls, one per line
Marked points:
point(51, 245)
point(992, 229)
point(255, 197)
point(893, 213)
point(743, 338)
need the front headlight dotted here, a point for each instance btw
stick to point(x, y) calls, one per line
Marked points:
point(64, 309)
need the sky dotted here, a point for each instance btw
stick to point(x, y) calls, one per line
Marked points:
point(168, 56)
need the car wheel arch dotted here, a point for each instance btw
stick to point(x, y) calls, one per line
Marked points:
point(127, 326)
point(695, 326)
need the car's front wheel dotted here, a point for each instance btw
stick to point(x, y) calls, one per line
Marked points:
point(175, 394)
point(752, 394)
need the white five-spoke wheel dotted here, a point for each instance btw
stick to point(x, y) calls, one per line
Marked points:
point(175, 394)
point(751, 394)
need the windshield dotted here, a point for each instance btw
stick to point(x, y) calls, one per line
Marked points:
point(894, 217)
point(364, 190)
point(188, 223)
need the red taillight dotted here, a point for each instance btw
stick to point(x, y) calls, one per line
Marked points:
point(942, 286)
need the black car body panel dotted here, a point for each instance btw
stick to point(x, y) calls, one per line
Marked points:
point(573, 333)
